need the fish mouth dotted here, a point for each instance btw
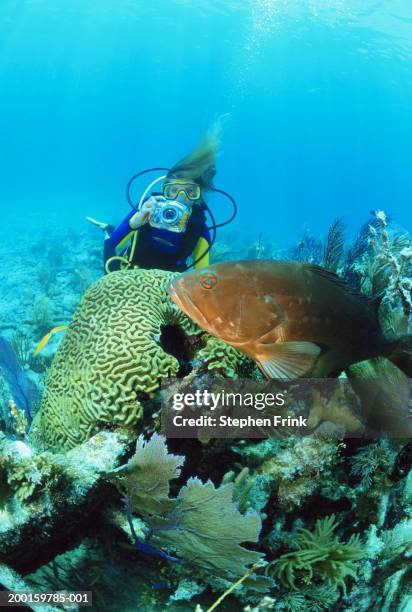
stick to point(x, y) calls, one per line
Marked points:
point(183, 300)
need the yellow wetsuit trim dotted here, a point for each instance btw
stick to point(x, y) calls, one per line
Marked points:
point(201, 247)
point(133, 248)
point(129, 236)
point(125, 261)
point(125, 240)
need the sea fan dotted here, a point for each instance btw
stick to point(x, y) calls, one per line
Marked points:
point(357, 250)
point(22, 388)
point(308, 249)
point(333, 249)
point(193, 524)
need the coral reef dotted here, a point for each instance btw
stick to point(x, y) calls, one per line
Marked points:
point(42, 314)
point(13, 582)
point(308, 249)
point(383, 391)
point(110, 571)
point(243, 485)
point(335, 409)
point(381, 266)
point(19, 386)
point(369, 463)
point(221, 358)
point(320, 556)
point(398, 260)
point(122, 342)
point(299, 467)
point(183, 526)
point(55, 491)
point(191, 524)
point(334, 246)
point(111, 355)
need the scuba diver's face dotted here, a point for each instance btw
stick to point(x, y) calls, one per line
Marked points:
point(185, 192)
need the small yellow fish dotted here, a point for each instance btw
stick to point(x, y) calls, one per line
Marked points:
point(47, 337)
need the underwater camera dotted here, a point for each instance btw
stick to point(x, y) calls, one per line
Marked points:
point(172, 226)
point(170, 215)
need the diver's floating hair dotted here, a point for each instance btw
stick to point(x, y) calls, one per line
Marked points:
point(200, 164)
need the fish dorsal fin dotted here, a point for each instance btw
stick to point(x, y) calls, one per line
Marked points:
point(374, 302)
point(287, 360)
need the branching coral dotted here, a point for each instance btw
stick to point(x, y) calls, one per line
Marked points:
point(19, 423)
point(311, 598)
point(308, 249)
point(381, 267)
point(300, 467)
point(28, 478)
point(373, 463)
point(321, 556)
point(42, 314)
point(22, 347)
point(359, 249)
point(27, 474)
point(243, 484)
point(400, 286)
point(398, 541)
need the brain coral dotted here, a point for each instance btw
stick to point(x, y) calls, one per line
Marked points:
point(110, 354)
point(224, 359)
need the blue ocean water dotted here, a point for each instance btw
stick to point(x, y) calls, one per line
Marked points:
point(315, 98)
point(318, 97)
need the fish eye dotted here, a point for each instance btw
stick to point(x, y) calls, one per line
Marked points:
point(208, 281)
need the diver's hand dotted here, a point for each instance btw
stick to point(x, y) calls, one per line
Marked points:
point(146, 211)
point(100, 224)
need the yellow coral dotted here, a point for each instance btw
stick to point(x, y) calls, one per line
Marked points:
point(19, 419)
point(110, 354)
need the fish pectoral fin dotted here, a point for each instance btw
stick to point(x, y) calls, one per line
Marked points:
point(287, 360)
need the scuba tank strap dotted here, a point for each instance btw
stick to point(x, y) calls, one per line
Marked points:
point(124, 263)
point(126, 259)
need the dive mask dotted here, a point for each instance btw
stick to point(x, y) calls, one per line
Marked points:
point(191, 190)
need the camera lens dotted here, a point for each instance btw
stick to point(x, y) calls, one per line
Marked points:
point(169, 215)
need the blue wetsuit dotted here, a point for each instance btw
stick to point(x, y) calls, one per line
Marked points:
point(149, 247)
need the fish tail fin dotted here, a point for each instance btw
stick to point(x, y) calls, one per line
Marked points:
point(400, 354)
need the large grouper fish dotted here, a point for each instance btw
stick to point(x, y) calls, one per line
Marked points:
point(293, 319)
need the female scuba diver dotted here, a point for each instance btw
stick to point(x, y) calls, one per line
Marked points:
point(169, 226)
